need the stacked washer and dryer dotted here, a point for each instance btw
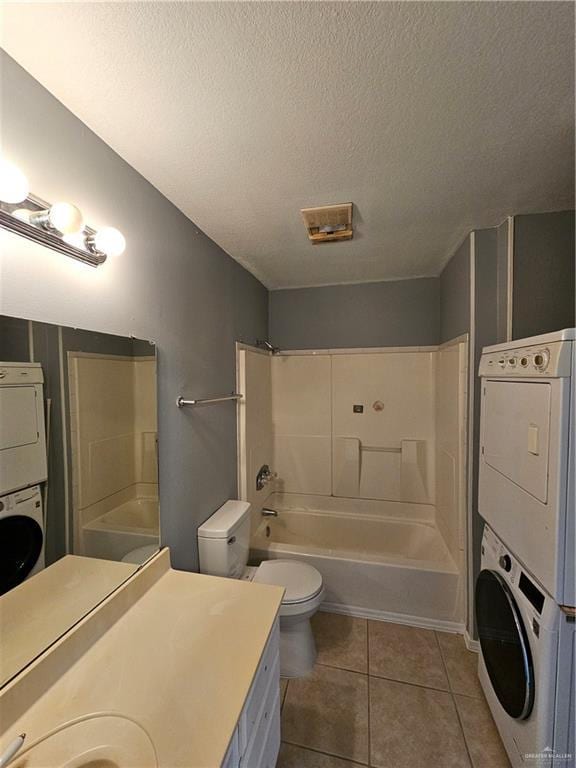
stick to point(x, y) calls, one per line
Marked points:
point(525, 592)
point(23, 466)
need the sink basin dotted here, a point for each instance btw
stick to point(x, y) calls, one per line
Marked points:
point(100, 740)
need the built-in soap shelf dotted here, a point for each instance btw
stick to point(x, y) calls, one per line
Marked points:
point(392, 472)
point(379, 449)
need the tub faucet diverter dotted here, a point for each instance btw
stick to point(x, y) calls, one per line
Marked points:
point(266, 512)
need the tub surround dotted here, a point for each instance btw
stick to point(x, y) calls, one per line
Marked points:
point(369, 447)
point(175, 652)
point(113, 427)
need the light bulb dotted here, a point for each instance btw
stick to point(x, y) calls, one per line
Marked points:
point(66, 218)
point(13, 183)
point(63, 217)
point(110, 241)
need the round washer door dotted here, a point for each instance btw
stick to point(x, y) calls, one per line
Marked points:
point(504, 643)
point(20, 546)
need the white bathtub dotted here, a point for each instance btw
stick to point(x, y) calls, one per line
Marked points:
point(139, 515)
point(131, 524)
point(377, 558)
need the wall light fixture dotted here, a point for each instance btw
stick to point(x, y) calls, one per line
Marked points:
point(59, 226)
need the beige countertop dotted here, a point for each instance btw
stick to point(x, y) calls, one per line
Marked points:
point(180, 661)
point(37, 612)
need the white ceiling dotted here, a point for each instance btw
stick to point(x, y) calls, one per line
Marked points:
point(433, 118)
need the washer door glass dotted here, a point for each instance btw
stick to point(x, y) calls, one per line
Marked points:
point(504, 644)
point(20, 546)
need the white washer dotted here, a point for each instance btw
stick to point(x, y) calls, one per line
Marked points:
point(21, 537)
point(527, 445)
point(526, 664)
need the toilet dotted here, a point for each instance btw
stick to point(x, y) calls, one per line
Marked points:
point(223, 545)
point(139, 555)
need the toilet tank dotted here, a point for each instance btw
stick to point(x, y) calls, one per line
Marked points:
point(224, 540)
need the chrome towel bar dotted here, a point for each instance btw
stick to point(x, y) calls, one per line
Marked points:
point(181, 402)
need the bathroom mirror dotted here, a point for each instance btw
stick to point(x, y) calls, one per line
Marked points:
point(78, 476)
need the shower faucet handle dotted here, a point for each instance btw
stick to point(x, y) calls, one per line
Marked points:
point(264, 476)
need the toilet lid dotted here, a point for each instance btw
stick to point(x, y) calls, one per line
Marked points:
point(301, 581)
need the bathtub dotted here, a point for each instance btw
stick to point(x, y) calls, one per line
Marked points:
point(131, 524)
point(139, 514)
point(378, 559)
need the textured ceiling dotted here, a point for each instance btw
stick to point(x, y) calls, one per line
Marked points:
point(433, 118)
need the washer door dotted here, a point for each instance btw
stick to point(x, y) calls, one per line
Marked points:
point(504, 643)
point(21, 541)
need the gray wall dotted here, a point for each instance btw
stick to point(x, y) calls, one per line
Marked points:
point(456, 319)
point(395, 313)
point(14, 340)
point(455, 294)
point(172, 285)
point(543, 273)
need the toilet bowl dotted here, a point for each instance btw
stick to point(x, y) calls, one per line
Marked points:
point(223, 546)
point(140, 554)
point(302, 598)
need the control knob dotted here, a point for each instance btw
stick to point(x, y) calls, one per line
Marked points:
point(505, 563)
point(541, 359)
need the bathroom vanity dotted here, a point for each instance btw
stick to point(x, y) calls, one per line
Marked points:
point(171, 669)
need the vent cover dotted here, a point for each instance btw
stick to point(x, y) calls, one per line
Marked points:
point(328, 222)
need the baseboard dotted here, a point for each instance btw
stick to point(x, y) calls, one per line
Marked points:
point(396, 618)
point(472, 645)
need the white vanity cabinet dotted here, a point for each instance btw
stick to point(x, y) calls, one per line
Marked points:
point(256, 739)
point(231, 707)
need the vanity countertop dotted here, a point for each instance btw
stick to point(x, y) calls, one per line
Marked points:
point(37, 612)
point(180, 661)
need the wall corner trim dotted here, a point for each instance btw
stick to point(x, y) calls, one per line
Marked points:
point(510, 278)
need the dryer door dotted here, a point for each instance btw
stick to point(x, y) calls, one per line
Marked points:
point(21, 541)
point(504, 644)
point(516, 432)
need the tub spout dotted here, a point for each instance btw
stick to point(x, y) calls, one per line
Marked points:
point(269, 512)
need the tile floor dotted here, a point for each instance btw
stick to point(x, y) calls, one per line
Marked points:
point(387, 696)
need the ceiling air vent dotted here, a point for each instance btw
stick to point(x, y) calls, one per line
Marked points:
point(328, 222)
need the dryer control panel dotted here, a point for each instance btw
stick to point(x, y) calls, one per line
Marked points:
point(547, 361)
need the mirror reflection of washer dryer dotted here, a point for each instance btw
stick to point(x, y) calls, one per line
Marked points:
point(22, 434)
point(21, 537)
point(23, 464)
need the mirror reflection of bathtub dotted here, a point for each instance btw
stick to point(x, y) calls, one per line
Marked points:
point(114, 452)
point(122, 528)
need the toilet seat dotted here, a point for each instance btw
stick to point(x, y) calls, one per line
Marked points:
point(140, 554)
point(301, 581)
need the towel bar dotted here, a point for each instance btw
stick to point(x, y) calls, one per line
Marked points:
point(181, 402)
